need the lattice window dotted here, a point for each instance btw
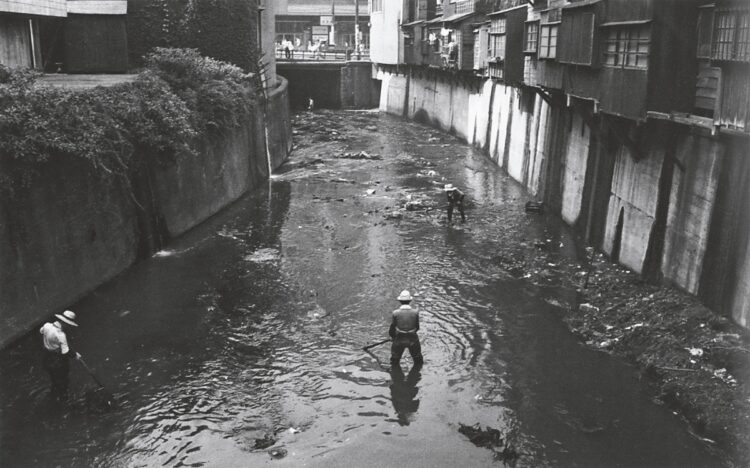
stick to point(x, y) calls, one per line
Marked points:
point(548, 41)
point(497, 46)
point(724, 34)
point(498, 25)
point(743, 36)
point(627, 46)
point(531, 37)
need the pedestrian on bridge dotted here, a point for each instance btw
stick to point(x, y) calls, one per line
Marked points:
point(404, 328)
point(455, 200)
point(57, 352)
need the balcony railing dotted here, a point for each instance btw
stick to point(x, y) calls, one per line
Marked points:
point(331, 55)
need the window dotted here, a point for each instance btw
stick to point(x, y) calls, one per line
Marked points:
point(497, 46)
point(548, 41)
point(497, 37)
point(731, 38)
point(531, 37)
point(627, 46)
point(498, 25)
point(377, 5)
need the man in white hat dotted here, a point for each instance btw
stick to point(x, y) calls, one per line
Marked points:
point(57, 352)
point(455, 199)
point(404, 328)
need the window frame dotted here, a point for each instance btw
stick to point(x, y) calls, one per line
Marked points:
point(731, 41)
point(549, 51)
point(627, 46)
point(531, 31)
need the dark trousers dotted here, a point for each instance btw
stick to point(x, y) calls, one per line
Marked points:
point(406, 340)
point(460, 206)
point(58, 367)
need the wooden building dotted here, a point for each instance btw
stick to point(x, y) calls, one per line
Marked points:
point(74, 36)
point(722, 91)
point(506, 42)
point(629, 56)
point(415, 32)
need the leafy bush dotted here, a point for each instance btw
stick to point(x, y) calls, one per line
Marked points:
point(216, 92)
point(113, 130)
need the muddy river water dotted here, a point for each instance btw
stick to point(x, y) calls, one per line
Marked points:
point(240, 344)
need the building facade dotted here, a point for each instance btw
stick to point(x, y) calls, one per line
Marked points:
point(629, 118)
point(75, 36)
point(310, 23)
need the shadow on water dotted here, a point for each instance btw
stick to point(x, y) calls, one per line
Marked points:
point(241, 344)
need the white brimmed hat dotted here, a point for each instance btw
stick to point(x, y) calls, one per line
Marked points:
point(404, 296)
point(68, 317)
point(449, 188)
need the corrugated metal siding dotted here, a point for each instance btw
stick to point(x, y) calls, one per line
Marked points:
point(630, 10)
point(735, 96)
point(514, 58)
point(624, 91)
point(577, 37)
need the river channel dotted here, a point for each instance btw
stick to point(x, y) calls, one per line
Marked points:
point(240, 344)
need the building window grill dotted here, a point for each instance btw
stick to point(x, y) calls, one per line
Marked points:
point(531, 41)
point(731, 37)
point(627, 46)
point(376, 6)
point(548, 41)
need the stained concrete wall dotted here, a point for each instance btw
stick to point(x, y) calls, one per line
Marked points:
point(358, 89)
point(694, 184)
point(71, 231)
point(590, 173)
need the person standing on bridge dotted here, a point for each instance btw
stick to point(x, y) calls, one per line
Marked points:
point(57, 352)
point(455, 200)
point(403, 330)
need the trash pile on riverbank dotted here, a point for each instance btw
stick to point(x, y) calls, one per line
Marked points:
point(697, 362)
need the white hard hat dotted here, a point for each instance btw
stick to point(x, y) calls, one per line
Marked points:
point(404, 296)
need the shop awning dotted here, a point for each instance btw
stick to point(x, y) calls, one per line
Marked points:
point(413, 23)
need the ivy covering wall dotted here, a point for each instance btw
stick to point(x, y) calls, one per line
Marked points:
point(225, 30)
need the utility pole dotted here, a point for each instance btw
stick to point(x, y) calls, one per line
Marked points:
point(332, 38)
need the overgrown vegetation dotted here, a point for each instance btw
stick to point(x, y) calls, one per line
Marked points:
point(223, 29)
point(180, 95)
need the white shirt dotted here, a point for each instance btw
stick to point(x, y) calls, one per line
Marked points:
point(54, 338)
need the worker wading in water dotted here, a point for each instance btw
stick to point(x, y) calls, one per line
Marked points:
point(404, 328)
point(57, 352)
point(455, 200)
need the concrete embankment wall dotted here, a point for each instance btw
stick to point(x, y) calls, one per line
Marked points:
point(662, 199)
point(72, 231)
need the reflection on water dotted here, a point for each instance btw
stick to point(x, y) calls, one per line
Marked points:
point(404, 391)
point(246, 335)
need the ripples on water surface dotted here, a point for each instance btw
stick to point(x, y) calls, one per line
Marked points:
point(250, 328)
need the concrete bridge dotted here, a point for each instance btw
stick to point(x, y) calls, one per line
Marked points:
point(332, 84)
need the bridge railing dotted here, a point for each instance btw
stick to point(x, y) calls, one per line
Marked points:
point(332, 55)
